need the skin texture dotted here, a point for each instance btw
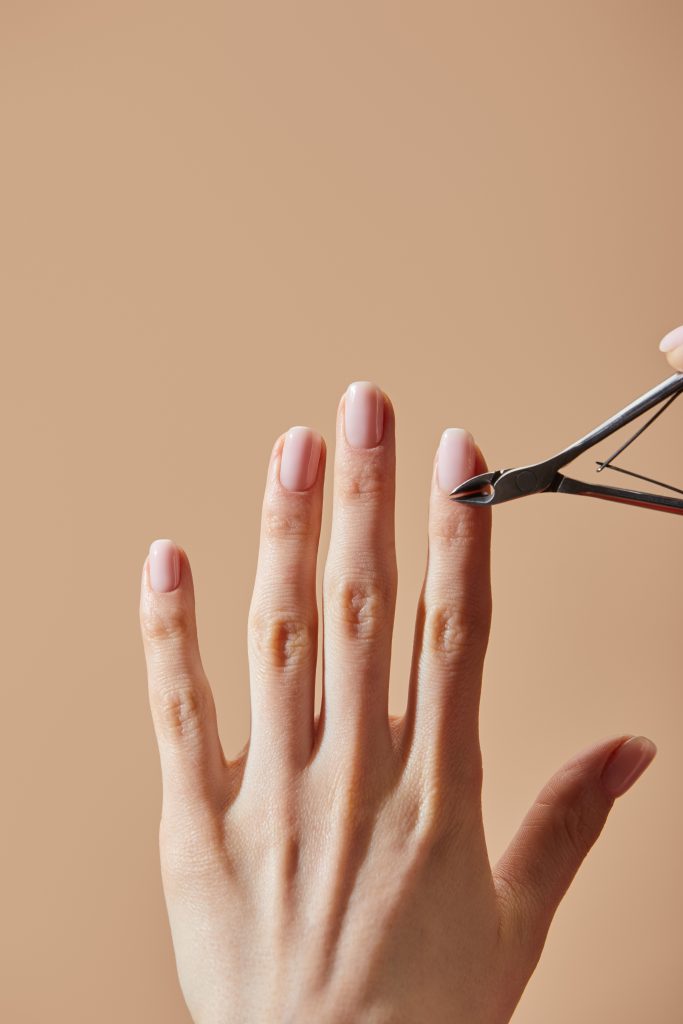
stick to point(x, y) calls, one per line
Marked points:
point(336, 870)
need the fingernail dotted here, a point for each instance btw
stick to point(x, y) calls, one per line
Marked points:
point(164, 566)
point(627, 764)
point(455, 459)
point(364, 414)
point(672, 340)
point(300, 458)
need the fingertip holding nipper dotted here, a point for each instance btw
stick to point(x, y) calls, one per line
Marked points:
point(501, 485)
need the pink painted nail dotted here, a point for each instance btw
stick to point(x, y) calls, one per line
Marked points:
point(627, 764)
point(364, 414)
point(300, 458)
point(672, 340)
point(164, 566)
point(455, 459)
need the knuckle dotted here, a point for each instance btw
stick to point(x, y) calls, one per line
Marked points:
point(576, 822)
point(161, 625)
point(578, 825)
point(363, 480)
point(180, 708)
point(283, 641)
point(286, 520)
point(452, 628)
point(458, 530)
point(359, 605)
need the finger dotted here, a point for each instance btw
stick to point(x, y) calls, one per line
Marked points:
point(562, 825)
point(360, 578)
point(283, 615)
point(672, 345)
point(181, 702)
point(453, 617)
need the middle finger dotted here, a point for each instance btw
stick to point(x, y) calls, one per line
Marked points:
point(360, 578)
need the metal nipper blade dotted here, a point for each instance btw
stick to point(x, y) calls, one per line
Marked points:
point(478, 490)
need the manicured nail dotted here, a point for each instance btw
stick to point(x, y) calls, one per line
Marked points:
point(300, 458)
point(455, 459)
point(627, 764)
point(364, 414)
point(164, 566)
point(672, 340)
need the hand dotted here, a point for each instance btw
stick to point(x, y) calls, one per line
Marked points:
point(672, 345)
point(336, 870)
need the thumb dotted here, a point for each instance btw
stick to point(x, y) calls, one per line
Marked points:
point(561, 826)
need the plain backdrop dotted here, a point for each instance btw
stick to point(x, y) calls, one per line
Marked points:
point(214, 216)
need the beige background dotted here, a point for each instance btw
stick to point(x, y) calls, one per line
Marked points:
point(214, 216)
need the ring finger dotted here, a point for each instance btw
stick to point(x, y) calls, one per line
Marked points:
point(283, 614)
point(454, 616)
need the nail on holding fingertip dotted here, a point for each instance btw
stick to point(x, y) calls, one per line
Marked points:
point(672, 340)
point(164, 566)
point(628, 762)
